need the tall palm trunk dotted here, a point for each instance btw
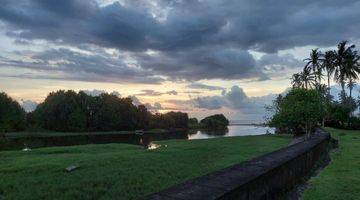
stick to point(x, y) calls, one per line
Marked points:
point(342, 83)
point(350, 87)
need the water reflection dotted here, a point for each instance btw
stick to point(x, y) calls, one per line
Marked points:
point(235, 130)
point(145, 140)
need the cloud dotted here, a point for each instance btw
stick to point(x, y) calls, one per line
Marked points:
point(116, 93)
point(28, 105)
point(178, 40)
point(151, 107)
point(204, 86)
point(202, 63)
point(154, 108)
point(96, 92)
point(237, 100)
point(135, 100)
point(265, 26)
point(67, 64)
point(156, 93)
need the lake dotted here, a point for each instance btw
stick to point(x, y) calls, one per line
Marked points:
point(147, 138)
point(233, 130)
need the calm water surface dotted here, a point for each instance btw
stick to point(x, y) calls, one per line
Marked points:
point(233, 130)
point(69, 140)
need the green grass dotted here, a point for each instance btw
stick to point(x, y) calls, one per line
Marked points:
point(340, 179)
point(121, 171)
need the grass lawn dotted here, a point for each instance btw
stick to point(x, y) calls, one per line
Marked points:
point(340, 179)
point(121, 171)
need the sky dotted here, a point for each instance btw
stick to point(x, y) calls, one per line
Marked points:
point(197, 56)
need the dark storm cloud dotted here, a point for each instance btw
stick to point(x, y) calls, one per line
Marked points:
point(193, 39)
point(204, 86)
point(263, 25)
point(73, 65)
point(196, 64)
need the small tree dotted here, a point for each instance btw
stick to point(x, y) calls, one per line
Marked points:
point(299, 111)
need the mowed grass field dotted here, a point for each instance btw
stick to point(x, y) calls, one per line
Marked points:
point(121, 171)
point(340, 179)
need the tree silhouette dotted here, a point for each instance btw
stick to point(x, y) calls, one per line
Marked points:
point(307, 78)
point(314, 64)
point(329, 65)
point(296, 81)
point(347, 66)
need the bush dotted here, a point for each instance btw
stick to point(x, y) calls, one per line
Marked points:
point(354, 123)
point(299, 112)
point(218, 121)
point(12, 116)
point(338, 115)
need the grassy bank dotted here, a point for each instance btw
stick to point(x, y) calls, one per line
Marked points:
point(120, 171)
point(340, 179)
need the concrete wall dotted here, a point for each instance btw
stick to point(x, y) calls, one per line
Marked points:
point(265, 177)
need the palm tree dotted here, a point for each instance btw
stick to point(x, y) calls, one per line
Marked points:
point(329, 65)
point(343, 61)
point(347, 66)
point(314, 63)
point(307, 78)
point(296, 80)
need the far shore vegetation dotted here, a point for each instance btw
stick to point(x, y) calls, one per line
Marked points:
point(70, 111)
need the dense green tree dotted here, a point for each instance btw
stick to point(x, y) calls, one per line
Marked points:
point(62, 111)
point(299, 111)
point(12, 116)
point(218, 121)
point(193, 123)
point(338, 115)
point(71, 111)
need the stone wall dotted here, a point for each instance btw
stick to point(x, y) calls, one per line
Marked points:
point(266, 177)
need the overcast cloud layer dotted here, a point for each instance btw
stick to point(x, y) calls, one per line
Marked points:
point(178, 40)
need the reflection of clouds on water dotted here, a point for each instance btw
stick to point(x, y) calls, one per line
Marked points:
point(231, 131)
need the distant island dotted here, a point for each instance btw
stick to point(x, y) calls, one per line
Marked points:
point(218, 121)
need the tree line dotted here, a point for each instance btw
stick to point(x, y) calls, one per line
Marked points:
point(76, 111)
point(310, 103)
